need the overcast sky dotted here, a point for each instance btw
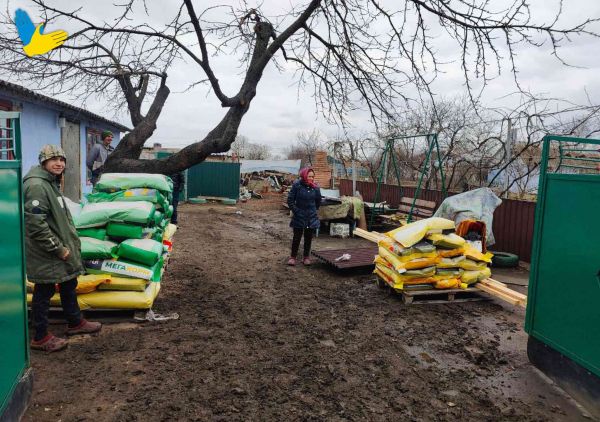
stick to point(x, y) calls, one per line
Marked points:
point(280, 110)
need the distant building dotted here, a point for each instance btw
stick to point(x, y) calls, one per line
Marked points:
point(45, 120)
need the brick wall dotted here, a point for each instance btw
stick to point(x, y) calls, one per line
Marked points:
point(322, 169)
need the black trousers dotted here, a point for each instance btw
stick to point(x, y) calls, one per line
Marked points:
point(40, 305)
point(308, 234)
point(175, 203)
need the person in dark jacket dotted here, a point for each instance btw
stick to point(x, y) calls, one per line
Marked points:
point(52, 250)
point(98, 155)
point(304, 200)
point(178, 184)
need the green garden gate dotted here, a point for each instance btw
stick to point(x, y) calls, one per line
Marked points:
point(212, 178)
point(563, 310)
point(15, 375)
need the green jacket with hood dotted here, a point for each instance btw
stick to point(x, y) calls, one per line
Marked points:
point(49, 231)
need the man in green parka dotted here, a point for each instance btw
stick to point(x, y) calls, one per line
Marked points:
point(52, 250)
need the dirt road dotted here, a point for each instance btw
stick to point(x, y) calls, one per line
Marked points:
point(261, 341)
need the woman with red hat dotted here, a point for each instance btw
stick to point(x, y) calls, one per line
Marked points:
point(304, 200)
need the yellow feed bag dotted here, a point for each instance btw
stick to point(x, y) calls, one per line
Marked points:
point(450, 253)
point(401, 265)
point(470, 277)
point(88, 283)
point(449, 241)
point(392, 259)
point(414, 232)
point(391, 245)
point(471, 265)
point(475, 255)
point(391, 276)
point(169, 232)
point(124, 284)
point(112, 300)
point(450, 262)
point(384, 277)
point(449, 283)
point(85, 283)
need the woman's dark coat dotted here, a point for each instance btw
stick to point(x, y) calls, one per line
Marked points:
point(304, 201)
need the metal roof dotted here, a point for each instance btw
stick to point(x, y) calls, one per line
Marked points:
point(79, 112)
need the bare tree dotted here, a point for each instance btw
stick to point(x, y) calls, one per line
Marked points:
point(353, 53)
point(257, 152)
point(473, 141)
point(240, 145)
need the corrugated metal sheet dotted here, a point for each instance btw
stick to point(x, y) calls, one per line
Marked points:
point(513, 220)
point(214, 179)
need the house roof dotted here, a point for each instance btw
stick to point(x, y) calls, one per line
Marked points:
point(78, 112)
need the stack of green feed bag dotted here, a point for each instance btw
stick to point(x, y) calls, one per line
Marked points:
point(122, 225)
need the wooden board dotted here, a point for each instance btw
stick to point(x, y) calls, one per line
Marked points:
point(501, 291)
point(55, 315)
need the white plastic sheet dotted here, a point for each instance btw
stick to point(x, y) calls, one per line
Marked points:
point(477, 204)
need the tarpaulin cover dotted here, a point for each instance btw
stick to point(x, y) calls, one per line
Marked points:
point(112, 182)
point(99, 214)
point(350, 207)
point(478, 204)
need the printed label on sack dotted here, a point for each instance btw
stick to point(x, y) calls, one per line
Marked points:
point(117, 267)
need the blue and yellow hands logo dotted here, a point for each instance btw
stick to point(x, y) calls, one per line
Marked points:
point(34, 40)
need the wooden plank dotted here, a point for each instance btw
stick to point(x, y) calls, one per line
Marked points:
point(419, 202)
point(504, 289)
point(492, 281)
point(437, 291)
point(370, 236)
point(500, 295)
point(416, 210)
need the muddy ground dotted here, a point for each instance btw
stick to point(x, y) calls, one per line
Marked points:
point(257, 340)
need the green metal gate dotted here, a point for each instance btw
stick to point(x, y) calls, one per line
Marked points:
point(214, 179)
point(563, 310)
point(14, 351)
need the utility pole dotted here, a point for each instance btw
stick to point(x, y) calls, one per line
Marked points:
point(508, 154)
point(352, 155)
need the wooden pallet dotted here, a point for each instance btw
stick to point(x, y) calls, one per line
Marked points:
point(55, 315)
point(429, 296)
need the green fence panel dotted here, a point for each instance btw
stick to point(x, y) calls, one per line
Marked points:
point(14, 353)
point(564, 286)
point(214, 179)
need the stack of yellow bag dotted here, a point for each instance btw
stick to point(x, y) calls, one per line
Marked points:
point(429, 253)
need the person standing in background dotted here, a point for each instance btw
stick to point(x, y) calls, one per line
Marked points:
point(98, 155)
point(304, 200)
point(178, 184)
